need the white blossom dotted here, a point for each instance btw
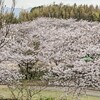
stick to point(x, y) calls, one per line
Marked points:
point(71, 49)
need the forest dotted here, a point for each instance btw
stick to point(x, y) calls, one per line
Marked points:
point(61, 11)
point(50, 53)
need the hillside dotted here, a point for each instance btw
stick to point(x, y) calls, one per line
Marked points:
point(68, 41)
point(67, 48)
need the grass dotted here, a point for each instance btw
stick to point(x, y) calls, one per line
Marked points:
point(59, 95)
point(5, 93)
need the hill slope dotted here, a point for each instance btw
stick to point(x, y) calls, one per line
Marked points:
point(65, 41)
point(71, 48)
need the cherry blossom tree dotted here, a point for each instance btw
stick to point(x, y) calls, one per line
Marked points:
point(68, 50)
point(7, 75)
point(61, 45)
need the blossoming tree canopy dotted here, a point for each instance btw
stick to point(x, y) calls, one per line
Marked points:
point(61, 45)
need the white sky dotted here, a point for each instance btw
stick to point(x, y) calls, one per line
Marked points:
point(32, 3)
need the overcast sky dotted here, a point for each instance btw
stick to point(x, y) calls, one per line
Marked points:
point(33, 3)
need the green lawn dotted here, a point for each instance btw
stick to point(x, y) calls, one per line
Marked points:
point(58, 95)
point(5, 93)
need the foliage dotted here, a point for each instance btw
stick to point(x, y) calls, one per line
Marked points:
point(7, 76)
point(88, 58)
point(47, 98)
point(59, 45)
point(85, 12)
point(24, 50)
point(55, 48)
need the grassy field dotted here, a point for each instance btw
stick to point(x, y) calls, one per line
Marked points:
point(56, 95)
